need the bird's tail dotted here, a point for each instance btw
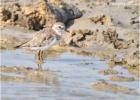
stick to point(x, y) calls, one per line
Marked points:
point(21, 45)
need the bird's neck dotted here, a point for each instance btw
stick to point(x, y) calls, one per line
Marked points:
point(57, 32)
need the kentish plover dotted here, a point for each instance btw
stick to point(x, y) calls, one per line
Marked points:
point(45, 38)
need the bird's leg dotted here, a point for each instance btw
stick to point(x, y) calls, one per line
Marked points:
point(39, 59)
point(37, 56)
point(41, 56)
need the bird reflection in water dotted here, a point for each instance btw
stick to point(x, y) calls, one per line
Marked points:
point(52, 53)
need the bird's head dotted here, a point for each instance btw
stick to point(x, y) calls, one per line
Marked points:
point(59, 28)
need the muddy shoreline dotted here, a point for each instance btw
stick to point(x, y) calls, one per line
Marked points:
point(111, 41)
point(98, 56)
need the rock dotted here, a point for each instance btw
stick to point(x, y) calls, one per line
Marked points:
point(87, 38)
point(101, 19)
point(132, 59)
point(79, 38)
point(110, 35)
point(134, 70)
point(132, 62)
point(38, 15)
point(132, 39)
point(5, 14)
point(120, 44)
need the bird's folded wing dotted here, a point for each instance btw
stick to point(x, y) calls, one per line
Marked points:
point(37, 40)
point(46, 44)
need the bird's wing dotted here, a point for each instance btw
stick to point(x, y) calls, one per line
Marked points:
point(39, 38)
point(46, 44)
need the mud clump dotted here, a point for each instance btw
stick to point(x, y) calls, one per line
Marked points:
point(79, 38)
point(87, 38)
point(134, 70)
point(122, 79)
point(9, 78)
point(37, 15)
point(132, 62)
point(10, 69)
point(108, 72)
point(28, 74)
point(101, 19)
point(132, 59)
point(81, 52)
point(121, 44)
point(104, 86)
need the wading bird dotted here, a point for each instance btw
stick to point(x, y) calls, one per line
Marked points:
point(45, 39)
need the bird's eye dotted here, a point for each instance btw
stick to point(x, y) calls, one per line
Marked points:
point(59, 26)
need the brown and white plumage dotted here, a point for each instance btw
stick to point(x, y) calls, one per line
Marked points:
point(46, 37)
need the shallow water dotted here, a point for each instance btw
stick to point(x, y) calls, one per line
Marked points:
point(70, 77)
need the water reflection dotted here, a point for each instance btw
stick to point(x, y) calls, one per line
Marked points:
point(40, 56)
point(22, 74)
point(28, 74)
point(70, 75)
